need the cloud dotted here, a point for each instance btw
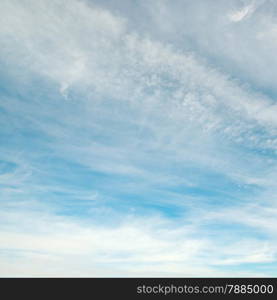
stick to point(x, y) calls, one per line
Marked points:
point(136, 152)
point(136, 247)
point(203, 27)
point(242, 14)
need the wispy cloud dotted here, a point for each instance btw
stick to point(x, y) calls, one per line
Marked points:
point(136, 152)
point(241, 14)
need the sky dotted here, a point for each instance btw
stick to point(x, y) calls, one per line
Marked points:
point(138, 138)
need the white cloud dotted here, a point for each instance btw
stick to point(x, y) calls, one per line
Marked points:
point(241, 14)
point(139, 108)
point(136, 247)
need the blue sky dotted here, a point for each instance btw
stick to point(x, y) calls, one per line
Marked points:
point(138, 138)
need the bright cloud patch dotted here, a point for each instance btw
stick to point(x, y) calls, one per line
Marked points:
point(243, 13)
